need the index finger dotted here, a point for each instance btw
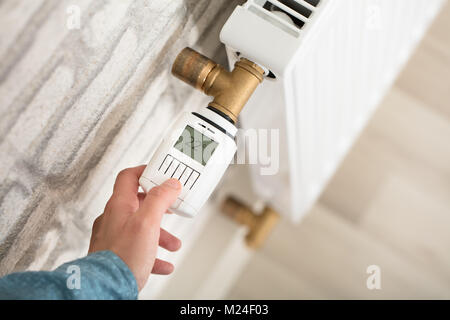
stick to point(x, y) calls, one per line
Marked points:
point(127, 182)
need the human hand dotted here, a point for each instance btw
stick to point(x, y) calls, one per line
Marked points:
point(130, 225)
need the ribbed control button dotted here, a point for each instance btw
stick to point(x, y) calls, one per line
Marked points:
point(192, 180)
point(184, 178)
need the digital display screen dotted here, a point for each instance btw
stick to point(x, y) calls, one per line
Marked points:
point(196, 145)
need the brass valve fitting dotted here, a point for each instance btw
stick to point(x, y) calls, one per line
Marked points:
point(259, 225)
point(231, 90)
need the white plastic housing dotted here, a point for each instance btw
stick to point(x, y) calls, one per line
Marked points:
point(198, 180)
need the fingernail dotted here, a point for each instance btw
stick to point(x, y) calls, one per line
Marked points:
point(173, 183)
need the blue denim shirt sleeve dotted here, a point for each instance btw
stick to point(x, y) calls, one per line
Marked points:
point(101, 275)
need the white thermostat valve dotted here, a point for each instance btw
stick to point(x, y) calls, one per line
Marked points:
point(197, 151)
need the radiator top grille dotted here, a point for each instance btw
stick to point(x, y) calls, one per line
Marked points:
point(288, 15)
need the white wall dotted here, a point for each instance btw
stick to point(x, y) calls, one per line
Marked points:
point(77, 106)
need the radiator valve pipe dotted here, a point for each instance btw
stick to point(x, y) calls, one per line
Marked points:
point(231, 90)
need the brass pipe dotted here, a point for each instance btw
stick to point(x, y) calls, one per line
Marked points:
point(259, 225)
point(231, 90)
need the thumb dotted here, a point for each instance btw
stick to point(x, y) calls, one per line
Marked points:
point(158, 200)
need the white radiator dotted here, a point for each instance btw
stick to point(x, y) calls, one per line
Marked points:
point(332, 68)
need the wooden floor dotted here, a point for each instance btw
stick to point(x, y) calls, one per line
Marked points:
point(388, 205)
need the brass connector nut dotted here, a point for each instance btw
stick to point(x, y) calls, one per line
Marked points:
point(192, 67)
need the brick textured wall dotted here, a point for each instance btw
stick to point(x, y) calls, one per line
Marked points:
point(79, 105)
